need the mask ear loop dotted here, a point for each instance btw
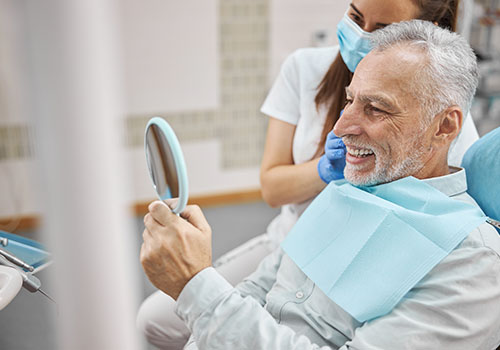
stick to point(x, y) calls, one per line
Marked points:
point(354, 26)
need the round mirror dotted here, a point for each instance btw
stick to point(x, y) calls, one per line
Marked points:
point(166, 164)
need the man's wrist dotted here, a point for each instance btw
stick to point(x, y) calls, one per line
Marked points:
point(176, 292)
point(201, 293)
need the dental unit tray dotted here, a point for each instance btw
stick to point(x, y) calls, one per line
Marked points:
point(27, 250)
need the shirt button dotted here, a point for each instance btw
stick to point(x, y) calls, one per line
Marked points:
point(299, 295)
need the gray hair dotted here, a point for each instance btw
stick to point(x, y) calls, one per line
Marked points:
point(450, 75)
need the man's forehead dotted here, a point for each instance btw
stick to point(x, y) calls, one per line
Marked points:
point(397, 62)
point(388, 73)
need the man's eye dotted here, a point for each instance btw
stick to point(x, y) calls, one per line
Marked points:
point(348, 101)
point(375, 109)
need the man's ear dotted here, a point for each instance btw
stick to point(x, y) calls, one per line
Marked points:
point(449, 123)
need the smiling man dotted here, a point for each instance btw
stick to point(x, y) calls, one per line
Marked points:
point(398, 257)
point(398, 121)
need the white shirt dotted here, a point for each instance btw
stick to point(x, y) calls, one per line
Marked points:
point(455, 306)
point(291, 99)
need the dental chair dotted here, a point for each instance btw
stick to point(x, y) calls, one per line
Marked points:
point(482, 165)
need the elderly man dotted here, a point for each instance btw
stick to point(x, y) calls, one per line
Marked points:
point(405, 106)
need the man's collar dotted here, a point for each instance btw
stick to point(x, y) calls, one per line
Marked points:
point(451, 184)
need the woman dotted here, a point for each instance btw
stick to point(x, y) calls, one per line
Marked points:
point(303, 105)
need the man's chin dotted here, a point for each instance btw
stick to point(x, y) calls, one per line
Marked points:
point(362, 179)
point(359, 183)
point(373, 178)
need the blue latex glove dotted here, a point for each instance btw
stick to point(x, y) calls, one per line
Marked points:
point(332, 163)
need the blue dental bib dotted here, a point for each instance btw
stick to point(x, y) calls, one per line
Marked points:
point(366, 247)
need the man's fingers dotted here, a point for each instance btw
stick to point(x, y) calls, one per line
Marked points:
point(151, 223)
point(160, 212)
point(144, 253)
point(195, 217)
point(146, 235)
point(171, 202)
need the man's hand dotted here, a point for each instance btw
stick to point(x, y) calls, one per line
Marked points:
point(175, 248)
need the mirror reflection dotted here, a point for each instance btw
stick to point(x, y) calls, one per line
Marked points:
point(166, 164)
point(161, 163)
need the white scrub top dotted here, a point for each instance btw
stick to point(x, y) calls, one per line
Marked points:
point(291, 99)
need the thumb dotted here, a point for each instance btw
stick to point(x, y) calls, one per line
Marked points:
point(195, 217)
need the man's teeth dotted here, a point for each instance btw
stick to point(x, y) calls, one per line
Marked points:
point(359, 152)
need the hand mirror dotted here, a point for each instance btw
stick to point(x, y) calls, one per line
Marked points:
point(166, 164)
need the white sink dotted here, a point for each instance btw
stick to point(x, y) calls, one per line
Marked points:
point(10, 284)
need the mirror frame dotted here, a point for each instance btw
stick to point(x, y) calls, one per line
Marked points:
point(178, 157)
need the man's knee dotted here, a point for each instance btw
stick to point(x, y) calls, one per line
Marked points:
point(160, 325)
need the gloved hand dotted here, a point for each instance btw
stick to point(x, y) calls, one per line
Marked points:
point(332, 163)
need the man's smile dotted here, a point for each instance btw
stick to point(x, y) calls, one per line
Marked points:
point(357, 155)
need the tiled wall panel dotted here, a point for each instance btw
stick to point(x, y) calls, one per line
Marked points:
point(16, 142)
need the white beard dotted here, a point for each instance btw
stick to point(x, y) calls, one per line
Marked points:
point(385, 169)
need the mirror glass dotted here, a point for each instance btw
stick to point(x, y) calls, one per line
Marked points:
point(166, 164)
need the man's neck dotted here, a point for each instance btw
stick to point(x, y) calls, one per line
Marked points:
point(435, 166)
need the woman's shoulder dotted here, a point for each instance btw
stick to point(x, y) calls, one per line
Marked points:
point(315, 53)
point(309, 65)
point(314, 57)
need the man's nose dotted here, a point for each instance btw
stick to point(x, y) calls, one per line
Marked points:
point(348, 123)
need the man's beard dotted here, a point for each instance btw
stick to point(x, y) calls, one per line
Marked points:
point(386, 170)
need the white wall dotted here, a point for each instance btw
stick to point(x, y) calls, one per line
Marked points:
point(204, 177)
point(13, 67)
point(171, 55)
point(18, 190)
point(18, 193)
point(293, 23)
point(170, 64)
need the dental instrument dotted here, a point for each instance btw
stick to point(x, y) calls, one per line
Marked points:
point(15, 260)
point(30, 282)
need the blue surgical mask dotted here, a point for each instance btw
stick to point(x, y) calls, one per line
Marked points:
point(354, 42)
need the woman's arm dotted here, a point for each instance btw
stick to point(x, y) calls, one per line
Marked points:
point(281, 180)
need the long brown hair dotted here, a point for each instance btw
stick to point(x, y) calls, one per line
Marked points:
point(331, 90)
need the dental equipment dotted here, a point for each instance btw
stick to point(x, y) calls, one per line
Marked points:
point(30, 282)
point(15, 260)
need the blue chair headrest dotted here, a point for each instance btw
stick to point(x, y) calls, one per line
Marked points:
point(482, 165)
